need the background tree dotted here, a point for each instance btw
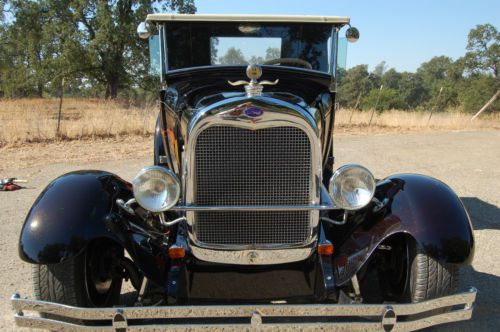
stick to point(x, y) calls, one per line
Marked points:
point(93, 45)
point(94, 41)
point(391, 79)
point(233, 56)
point(3, 9)
point(481, 62)
point(26, 50)
point(389, 99)
point(214, 42)
point(411, 89)
point(273, 53)
point(380, 69)
point(483, 49)
point(256, 59)
point(466, 83)
point(354, 84)
point(476, 91)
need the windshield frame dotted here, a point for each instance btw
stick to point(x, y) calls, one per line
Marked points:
point(164, 51)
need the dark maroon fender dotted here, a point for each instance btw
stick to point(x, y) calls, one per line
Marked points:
point(78, 208)
point(420, 206)
point(69, 213)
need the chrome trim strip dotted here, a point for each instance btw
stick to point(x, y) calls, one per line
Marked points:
point(252, 256)
point(461, 307)
point(277, 113)
point(253, 208)
point(326, 203)
point(162, 39)
point(228, 247)
point(332, 66)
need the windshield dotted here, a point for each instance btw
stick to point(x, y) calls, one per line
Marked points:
point(244, 50)
point(195, 44)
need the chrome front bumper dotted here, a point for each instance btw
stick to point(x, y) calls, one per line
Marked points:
point(269, 317)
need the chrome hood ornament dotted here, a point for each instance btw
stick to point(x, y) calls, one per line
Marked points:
point(254, 87)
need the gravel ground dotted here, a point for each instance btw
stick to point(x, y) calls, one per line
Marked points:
point(467, 161)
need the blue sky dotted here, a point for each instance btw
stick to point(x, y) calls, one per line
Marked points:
point(402, 33)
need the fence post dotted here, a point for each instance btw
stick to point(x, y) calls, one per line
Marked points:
point(486, 105)
point(355, 106)
point(376, 104)
point(61, 93)
point(435, 104)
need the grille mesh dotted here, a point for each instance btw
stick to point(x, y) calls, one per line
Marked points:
point(236, 166)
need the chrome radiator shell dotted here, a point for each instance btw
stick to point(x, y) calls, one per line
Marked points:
point(272, 113)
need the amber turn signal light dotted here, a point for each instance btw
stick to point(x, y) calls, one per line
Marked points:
point(175, 252)
point(325, 249)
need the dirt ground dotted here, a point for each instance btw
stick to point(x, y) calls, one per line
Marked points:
point(468, 161)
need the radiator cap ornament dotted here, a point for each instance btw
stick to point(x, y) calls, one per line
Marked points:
point(254, 87)
point(254, 72)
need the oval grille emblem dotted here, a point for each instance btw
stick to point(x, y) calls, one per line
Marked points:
point(253, 112)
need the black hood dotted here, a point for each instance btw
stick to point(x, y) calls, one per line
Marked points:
point(194, 84)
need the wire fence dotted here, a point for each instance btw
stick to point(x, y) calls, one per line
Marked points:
point(36, 120)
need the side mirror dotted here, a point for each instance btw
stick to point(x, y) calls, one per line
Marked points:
point(144, 30)
point(352, 34)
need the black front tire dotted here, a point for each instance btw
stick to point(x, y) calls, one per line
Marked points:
point(61, 283)
point(87, 280)
point(430, 278)
point(407, 274)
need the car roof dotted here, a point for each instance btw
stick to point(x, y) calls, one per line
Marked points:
point(247, 18)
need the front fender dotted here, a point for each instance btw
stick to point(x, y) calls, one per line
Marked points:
point(68, 214)
point(421, 206)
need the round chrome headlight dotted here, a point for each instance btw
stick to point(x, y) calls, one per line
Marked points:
point(352, 187)
point(156, 188)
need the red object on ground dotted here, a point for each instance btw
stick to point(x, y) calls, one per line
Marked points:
point(10, 187)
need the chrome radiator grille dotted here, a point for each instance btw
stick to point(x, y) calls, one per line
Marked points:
point(236, 166)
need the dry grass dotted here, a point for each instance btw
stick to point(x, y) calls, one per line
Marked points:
point(35, 120)
point(347, 121)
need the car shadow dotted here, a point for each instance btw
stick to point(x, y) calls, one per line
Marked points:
point(486, 315)
point(483, 214)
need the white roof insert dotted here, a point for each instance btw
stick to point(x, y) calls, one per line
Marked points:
point(247, 18)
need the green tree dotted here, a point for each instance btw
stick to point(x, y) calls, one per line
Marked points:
point(3, 9)
point(391, 79)
point(353, 85)
point(92, 41)
point(476, 91)
point(273, 53)
point(256, 60)
point(483, 48)
point(389, 99)
point(434, 76)
point(26, 48)
point(214, 42)
point(434, 71)
point(380, 69)
point(233, 56)
point(411, 90)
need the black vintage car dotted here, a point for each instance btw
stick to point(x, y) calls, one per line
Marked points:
point(244, 222)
